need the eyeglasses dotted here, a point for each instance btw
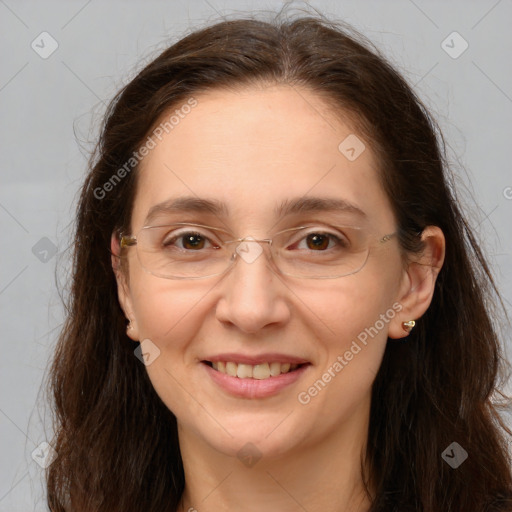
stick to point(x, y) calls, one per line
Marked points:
point(195, 251)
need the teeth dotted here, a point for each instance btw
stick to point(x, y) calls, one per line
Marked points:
point(261, 371)
point(231, 369)
point(244, 371)
point(275, 369)
point(258, 371)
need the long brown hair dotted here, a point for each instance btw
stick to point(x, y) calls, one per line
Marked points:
point(117, 442)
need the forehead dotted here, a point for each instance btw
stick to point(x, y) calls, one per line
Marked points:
point(256, 149)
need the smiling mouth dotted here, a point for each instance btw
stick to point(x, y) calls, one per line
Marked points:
point(258, 371)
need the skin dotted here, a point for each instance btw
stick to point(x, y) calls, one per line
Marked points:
point(253, 148)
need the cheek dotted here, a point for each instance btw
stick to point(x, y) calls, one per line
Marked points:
point(166, 311)
point(171, 315)
point(358, 319)
point(359, 303)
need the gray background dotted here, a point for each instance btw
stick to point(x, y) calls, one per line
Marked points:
point(50, 112)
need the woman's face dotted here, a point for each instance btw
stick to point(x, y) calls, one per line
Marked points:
point(253, 151)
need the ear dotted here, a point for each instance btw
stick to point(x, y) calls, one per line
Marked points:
point(123, 288)
point(419, 279)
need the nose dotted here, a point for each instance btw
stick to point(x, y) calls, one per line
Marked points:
point(253, 294)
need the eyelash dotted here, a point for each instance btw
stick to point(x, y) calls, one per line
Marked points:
point(341, 241)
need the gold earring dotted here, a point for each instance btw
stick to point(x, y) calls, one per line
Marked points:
point(408, 325)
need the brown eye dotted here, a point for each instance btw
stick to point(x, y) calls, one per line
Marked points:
point(317, 241)
point(193, 241)
point(190, 241)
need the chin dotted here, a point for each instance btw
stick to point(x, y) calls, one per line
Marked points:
point(268, 435)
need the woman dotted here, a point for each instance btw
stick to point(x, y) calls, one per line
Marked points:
point(293, 314)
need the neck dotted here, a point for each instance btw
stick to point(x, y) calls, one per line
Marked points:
point(321, 476)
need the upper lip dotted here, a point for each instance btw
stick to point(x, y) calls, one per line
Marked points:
point(270, 357)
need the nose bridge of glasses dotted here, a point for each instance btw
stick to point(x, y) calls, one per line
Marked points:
point(249, 252)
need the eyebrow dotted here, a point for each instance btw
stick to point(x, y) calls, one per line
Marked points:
point(287, 207)
point(188, 204)
point(316, 204)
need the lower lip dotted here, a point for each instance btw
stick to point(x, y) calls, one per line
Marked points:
point(254, 388)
